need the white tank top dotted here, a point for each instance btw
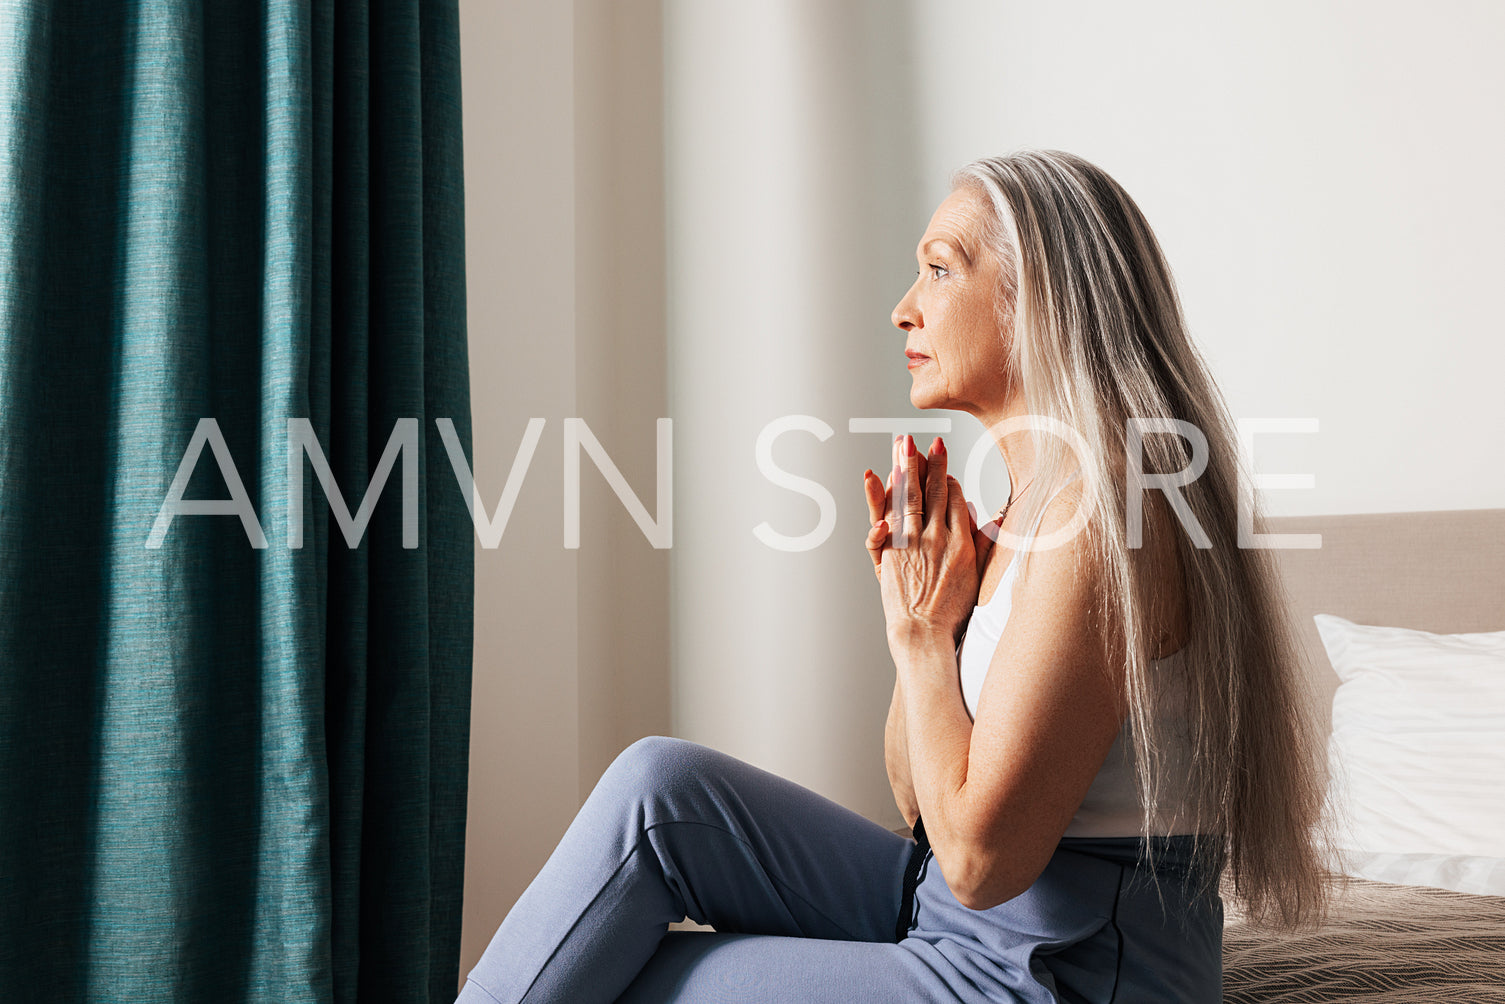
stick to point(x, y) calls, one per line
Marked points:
point(1112, 807)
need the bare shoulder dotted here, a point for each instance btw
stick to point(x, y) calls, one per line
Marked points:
point(1061, 586)
point(1070, 556)
point(1158, 538)
point(1063, 590)
point(1071, 570)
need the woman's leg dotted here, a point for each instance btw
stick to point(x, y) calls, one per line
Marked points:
point(676, 829)
point(694, 967)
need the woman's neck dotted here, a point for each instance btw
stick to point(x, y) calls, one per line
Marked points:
point(1016, 446)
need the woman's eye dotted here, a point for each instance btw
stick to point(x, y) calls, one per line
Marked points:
point(939, 270)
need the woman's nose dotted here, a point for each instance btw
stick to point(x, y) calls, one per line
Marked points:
point(906, 315)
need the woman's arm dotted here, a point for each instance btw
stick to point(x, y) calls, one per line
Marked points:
point(896, 757)
point(895, 741)
point(997, 794)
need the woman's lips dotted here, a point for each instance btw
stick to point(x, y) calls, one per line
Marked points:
point(916, 359)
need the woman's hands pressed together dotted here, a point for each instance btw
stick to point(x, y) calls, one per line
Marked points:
point(927, 550)
point(996, 787)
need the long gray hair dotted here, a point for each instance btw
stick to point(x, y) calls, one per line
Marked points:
point(1098, 338)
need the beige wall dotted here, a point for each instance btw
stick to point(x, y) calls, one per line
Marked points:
point(793, 214)
point(1323, 175)
point(565, 285)
point(621, 373)
point(524, 752)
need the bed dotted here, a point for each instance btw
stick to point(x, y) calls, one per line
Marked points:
point(1391, 941)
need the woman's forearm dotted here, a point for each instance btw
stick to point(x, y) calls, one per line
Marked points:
point(937, 739)
point(896, 756)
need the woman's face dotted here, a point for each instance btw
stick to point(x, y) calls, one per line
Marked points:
point(957, 356)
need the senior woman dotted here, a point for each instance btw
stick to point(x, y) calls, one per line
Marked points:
point(1095, 709)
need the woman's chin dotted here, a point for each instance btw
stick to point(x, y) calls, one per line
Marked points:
point(924, 398)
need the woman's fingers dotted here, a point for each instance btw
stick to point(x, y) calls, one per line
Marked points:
point(872, 487)
point(878, 533)
point(894, 511)
point(898, 452)
point(893, 507)
point(898, 457)
point(893, 479)
point(914, 491)
point(877, 536)
point(958, 514)
point(936, 486)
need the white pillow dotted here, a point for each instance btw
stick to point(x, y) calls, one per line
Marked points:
point(1417, 755)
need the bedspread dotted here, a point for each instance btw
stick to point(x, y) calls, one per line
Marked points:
point(1381, 942)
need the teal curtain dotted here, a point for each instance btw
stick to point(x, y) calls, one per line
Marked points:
point(227, 772)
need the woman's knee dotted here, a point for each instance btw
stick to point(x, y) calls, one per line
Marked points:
point(653, 765)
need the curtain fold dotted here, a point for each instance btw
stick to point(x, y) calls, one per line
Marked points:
point(230, 772)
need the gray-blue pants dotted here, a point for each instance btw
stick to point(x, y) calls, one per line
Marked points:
point(804, 895)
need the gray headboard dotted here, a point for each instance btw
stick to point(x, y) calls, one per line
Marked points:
point(1435, 571)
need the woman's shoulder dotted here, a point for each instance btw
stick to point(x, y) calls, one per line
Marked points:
point(1059, 512)
point(1158, 525)
point(1074, 548)
point(1160, 556)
